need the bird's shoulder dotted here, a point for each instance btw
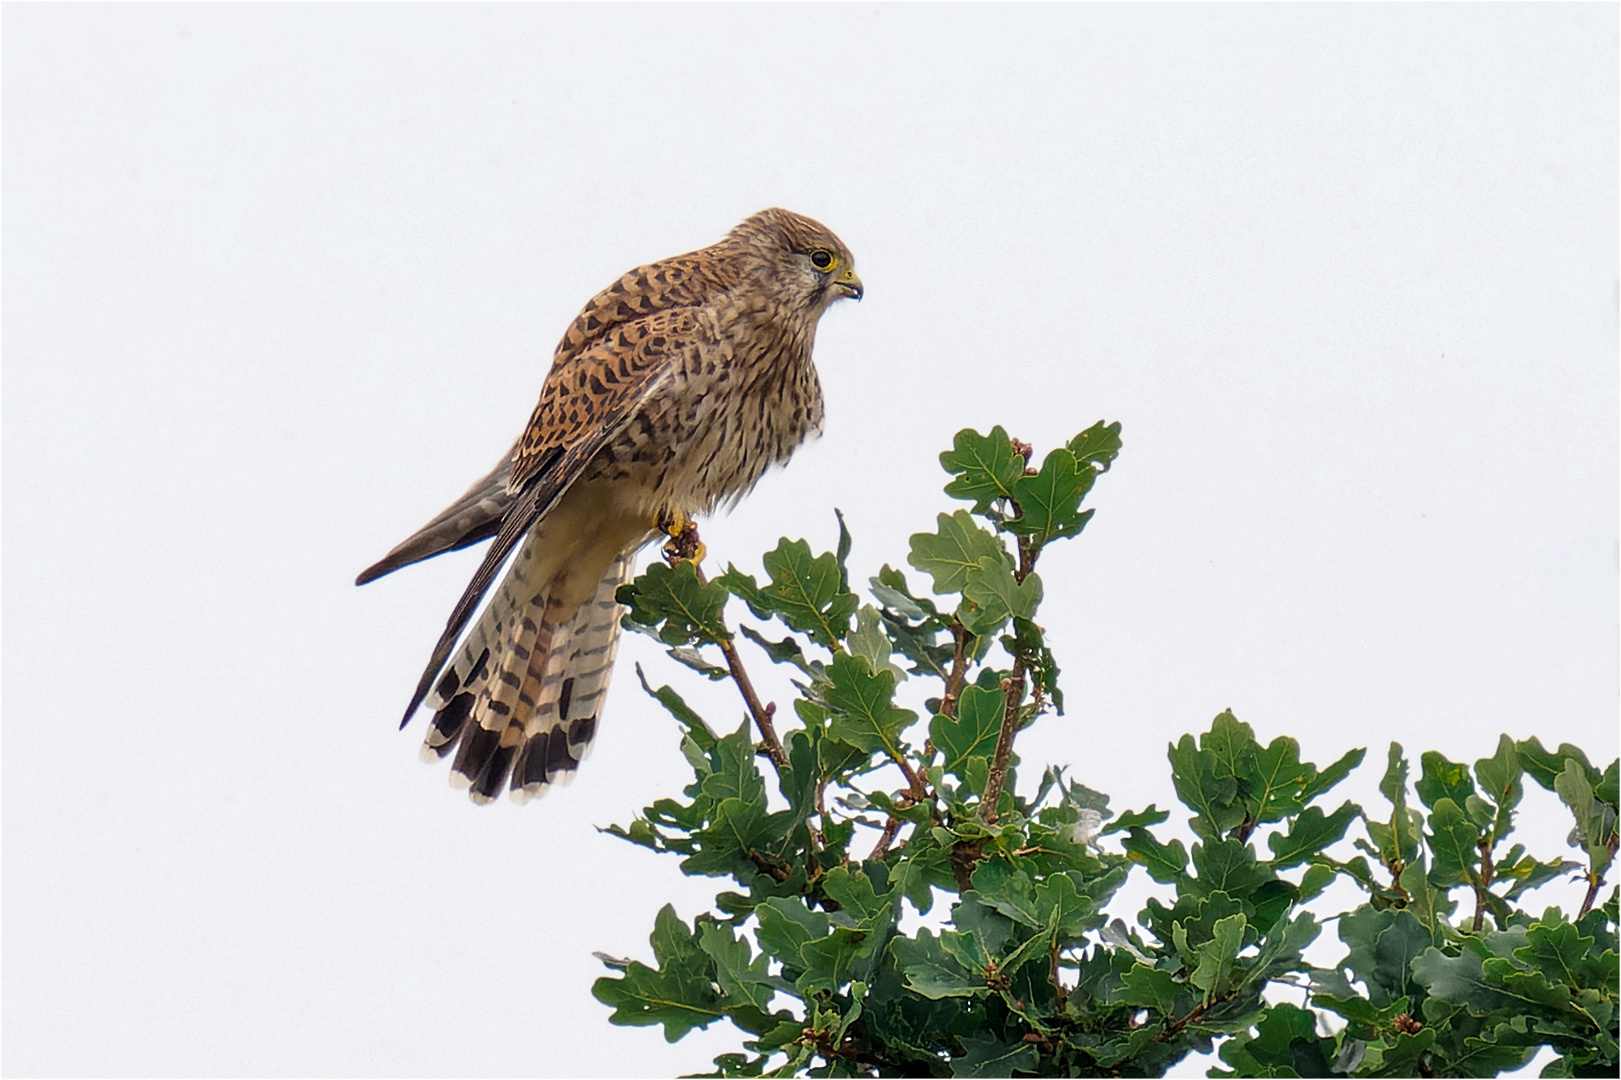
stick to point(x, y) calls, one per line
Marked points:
point(694, 280)
point(616, 348)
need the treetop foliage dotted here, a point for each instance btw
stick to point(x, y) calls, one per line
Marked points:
point(804, 952)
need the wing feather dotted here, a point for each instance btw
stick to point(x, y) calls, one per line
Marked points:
point(632, 326)
point(532, 502)
point(473, 517)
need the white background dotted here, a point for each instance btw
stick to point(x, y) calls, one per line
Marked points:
point(280, 281)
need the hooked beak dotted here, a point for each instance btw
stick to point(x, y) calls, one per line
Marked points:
point(850, 283)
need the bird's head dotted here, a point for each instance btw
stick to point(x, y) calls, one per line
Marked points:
point(804, 258)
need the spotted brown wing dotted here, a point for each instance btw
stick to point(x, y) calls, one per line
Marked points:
point(587, 401)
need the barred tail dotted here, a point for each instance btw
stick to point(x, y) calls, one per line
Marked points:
point(570, 685)
point(521, 694)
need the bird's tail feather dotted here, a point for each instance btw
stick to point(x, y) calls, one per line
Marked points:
point(522, 694)
point(494, 727)
point(570, 689)
point(460, 692)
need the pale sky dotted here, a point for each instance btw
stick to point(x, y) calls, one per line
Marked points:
point(280, 281)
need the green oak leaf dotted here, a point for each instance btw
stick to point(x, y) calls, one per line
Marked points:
point(681, 609)
point(1399, 840)
point(864, 714)
point(890, 589)
point(997, 595)
point(1426, 903)
point(986, 467)
point(1098, 445)
point(1453, 839)
point(1443, 779)
point(1050, 501)
point(1136, 819)
point(733, 773)
point(1228, 866)
point(1231, 746)
point(1206, 788)
point(986, 1056)
point(1165, 863)
point(1483, 985)
point(1287, 1038)
point(1332, 775)
point(1544, 766)
point(741, 975)
point(1557, 949)
point(1066, 909)
point(974, 730)
point(853, 889)
point(1382, 945)
point(1595, 820)
point(1151, 988)
point(1277, 778)
point(1309, 834)
point(1217, 955)
point(930, 971)
point(807, 593)
point(868, 640)
point(697, 661)
point(1500, 774)
point(1318, 876)
point(787, 928)
point(984, 932)
point(697, 730)
point(680, 993)
point(955, 548)
point(786, 651)
point(1004, 886)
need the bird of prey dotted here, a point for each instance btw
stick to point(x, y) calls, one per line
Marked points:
point(670, 394)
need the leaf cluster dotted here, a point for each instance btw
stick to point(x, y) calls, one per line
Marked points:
point(896, 790)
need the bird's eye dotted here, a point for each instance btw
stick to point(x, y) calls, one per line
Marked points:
point(823, 260)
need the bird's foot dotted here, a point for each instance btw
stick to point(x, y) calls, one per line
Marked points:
point(683, 544)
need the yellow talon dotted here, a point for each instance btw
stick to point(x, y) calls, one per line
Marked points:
point(683, 545)
point(672, 521)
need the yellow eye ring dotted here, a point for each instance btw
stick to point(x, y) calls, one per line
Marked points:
point(824, 261)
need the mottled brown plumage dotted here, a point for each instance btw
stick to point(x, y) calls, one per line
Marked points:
point(670, 394)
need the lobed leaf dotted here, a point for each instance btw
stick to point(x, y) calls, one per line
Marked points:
point(1310, 833)
point(953, 550)
point(863, 712)
point(972, 733)
point(680, 993)
point(1443, 779)
point(986, 1056)
point(809, 594)
point(672, 602)
point(1098, 445)
point(994, 595)
point(930, 971)
point(986, 467)
point(1050, 501)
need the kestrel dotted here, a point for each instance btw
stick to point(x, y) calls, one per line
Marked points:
point(670, 394)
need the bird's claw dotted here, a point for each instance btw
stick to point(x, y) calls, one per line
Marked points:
point(683, 544)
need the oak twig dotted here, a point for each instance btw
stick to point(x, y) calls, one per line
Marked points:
point(1013, 687)
point(958, 675)
point(887, 837)
point(1595, 881)
point(686, 545)
point(762, 713)
point(1176, 1026)
point(1483, 881)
